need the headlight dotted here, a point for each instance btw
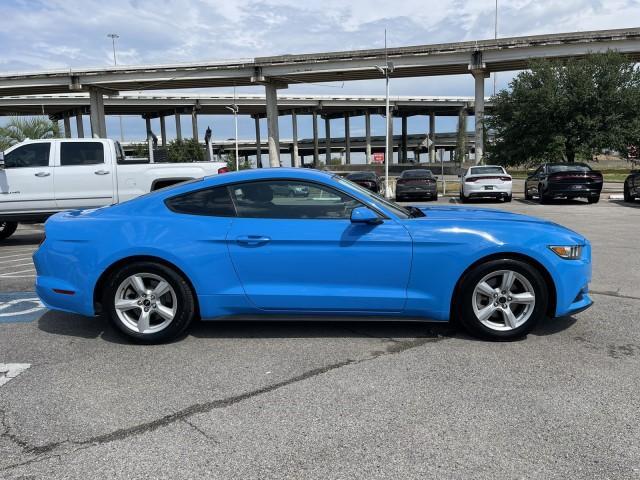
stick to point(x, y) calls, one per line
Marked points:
point(572, 252)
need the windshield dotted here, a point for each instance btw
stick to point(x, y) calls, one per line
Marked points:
point(486, 170)
point(569, 167)
point(374, 197)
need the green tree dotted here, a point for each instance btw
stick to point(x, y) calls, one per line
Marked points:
point(230, 158)
point(18, 129)
point(563, 111)
point(187, 150)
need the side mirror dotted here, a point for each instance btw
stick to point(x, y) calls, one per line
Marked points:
point(365, 215)
point(1, 160)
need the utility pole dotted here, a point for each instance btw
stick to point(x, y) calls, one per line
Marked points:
point(495, 37)
point(113, 37)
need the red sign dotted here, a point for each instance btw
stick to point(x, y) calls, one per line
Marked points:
point(378, 157)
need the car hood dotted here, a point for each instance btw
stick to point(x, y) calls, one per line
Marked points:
point(485, 215)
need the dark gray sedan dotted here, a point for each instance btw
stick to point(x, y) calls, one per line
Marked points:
point(416, 184)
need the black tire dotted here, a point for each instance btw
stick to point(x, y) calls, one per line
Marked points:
point(595, 199)
point(185, 301)
point(7, 229)
point(527, 195)
point(463, 198)
point(435, 198)
point(508, 198)
point(463, 311)
point(544, 198)
point(627, 194)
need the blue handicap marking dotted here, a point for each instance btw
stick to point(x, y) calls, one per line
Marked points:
point(20, 307)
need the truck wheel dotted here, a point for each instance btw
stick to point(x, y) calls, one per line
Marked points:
point(7, 229)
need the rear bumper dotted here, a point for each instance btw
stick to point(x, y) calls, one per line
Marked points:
point(573, 191)
point(421, 191)
point(478, 190)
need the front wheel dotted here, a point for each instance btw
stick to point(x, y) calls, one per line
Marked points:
point(7, 229)
point(501, 299)
point(149, 302)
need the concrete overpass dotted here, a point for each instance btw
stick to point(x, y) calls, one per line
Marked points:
point(479, 58)
point(328, 107)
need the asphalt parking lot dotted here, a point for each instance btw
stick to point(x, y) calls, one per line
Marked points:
point(329, 399)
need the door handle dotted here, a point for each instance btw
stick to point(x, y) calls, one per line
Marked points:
point(252, 240)
point(42, 174)
point(101, 172)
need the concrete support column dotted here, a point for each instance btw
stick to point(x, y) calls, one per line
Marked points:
point(147, 122)
point(347, 139)
point(316, 146)
point(390, 133)
point(295, 159)
point(405, 158)
point(98, 123)
point(178, 126)
point(67, 126)
point(478, 108)
point(258, 143)
point(367, 129)
point(79, 125)
point(194, 124)
point(416, 155)
point(327, 140)
point(432, 137)
point(271, 97)
point(163, 131)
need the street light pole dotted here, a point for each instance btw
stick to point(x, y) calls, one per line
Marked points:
point(495, 37)
point(386, 70)
point(113, 37)
point(234, 108)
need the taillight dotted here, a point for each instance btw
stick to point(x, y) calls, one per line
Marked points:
point(505, 179)
point(223, 170)
point(471, 179)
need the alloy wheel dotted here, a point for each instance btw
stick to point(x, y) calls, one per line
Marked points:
point(503, 300)
point(145, 303)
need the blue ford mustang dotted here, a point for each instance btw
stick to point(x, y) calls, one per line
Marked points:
point(240, 244)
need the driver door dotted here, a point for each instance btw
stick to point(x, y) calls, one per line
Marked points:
point(302, 253)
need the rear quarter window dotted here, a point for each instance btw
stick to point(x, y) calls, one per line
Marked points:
point(213, 202)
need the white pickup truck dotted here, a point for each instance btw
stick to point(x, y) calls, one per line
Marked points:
point(41, 177)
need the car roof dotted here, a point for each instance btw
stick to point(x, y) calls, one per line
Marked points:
point(267, 173)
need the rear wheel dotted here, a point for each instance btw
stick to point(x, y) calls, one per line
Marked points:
point(595, 199)
point(627, 194)
point(508, 198)
point(149, 302)
point(7, 229)
point(501, 299)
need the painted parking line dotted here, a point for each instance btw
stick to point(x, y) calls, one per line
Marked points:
point(9, 371)
point(15, 255)
point(11, 274)
point(20, 307)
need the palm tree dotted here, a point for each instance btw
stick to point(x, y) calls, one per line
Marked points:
point(18, 129)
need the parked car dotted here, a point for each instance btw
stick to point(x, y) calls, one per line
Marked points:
point(490, 181)
point(566, 180)
point(632, 186)
point(41, 177)
point(416, 183)
point(368, 180)
point(227, 246)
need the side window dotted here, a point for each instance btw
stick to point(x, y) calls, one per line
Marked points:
point(30, 155)
point(81, 153)
point(214, 202)
point(291, 199)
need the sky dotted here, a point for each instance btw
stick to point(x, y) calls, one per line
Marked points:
point(38, 35)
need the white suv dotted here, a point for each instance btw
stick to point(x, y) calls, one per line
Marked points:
point(488, 181)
